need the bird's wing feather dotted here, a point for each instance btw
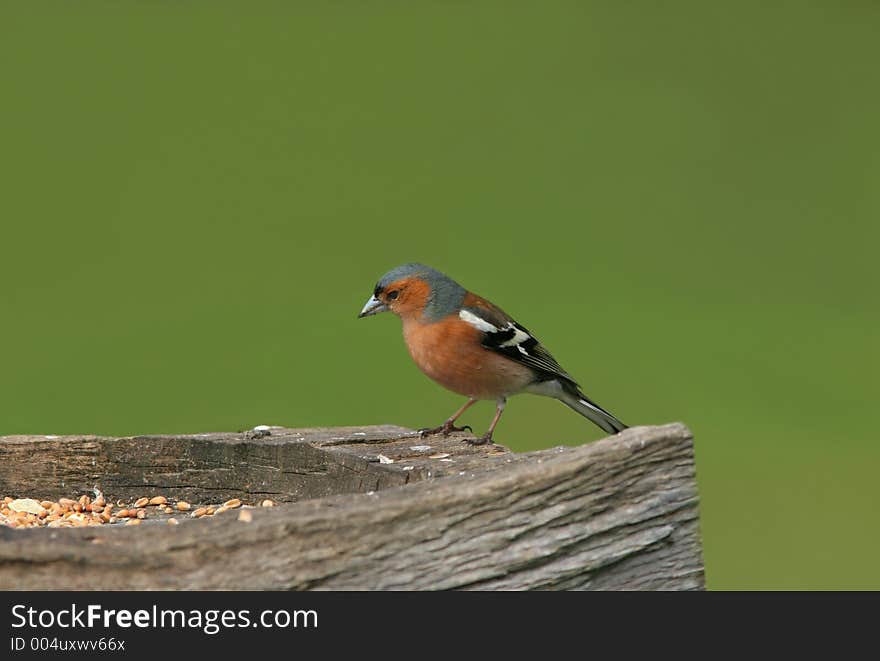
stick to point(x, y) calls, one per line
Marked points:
point(503, 335)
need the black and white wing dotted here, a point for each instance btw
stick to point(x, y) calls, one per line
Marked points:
point(503, 335)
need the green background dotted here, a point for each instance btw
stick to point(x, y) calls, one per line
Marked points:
point(679, 199)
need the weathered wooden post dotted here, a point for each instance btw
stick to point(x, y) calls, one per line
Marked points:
point(361, 508)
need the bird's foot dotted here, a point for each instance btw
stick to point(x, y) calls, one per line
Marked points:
point(483, 440)
point(446, 429)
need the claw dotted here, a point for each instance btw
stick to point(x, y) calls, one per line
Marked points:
point(446, 429)
point(483, 440)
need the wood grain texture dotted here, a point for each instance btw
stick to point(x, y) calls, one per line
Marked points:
point(620, 513)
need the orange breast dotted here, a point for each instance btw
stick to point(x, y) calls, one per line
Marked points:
point(449, 352)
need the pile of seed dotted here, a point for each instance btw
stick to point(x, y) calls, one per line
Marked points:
point(86, 511)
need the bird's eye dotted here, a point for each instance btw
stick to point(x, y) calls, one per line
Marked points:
point(392, 295)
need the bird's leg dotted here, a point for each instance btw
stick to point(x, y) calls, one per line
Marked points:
point(449, 426)
point(487, 437)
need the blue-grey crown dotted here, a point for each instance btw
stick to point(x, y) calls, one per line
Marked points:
point(446, 294)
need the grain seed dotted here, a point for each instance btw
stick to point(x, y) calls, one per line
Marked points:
point(26, 505)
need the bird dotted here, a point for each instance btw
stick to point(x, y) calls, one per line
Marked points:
point(472, 347)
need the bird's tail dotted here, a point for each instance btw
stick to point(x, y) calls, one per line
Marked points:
point(573, 398)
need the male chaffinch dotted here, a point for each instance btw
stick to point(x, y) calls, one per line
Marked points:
point(472, 347)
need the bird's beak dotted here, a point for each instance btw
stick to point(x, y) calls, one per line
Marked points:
point(373, 306)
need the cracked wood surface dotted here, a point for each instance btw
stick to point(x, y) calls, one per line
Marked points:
point(620, 513)
point(287, 466)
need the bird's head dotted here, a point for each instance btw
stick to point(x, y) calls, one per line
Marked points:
point(415, 290)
